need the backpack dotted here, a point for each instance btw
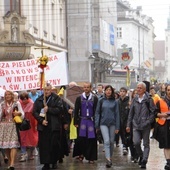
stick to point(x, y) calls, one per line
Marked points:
point(148, 106)
point(101, 103)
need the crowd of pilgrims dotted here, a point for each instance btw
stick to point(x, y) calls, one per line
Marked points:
point(51, 140)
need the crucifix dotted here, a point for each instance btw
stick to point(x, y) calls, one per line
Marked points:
point(42, 73)
point(42, 47)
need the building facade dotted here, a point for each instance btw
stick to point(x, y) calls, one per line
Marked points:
point(24, 24)
point(91, 39)
point(136, 30)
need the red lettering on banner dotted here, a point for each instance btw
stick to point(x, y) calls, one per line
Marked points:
point(24, 74)
point(4, 65)
point(47, 68)
point(24, 64)
point(7, 72)
point(8, 79)
point(33, 85)
point(12, 72)
point(36, 69)
point(17, 71)
point(30, 70)
point(52, 58)
point(14, 87)
point(54, 82)
point(23, 71)
point(3, 87)
point(2, 73)
point(55, 57)
point(26, 78)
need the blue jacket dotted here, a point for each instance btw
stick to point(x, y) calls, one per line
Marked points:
point(107, 113)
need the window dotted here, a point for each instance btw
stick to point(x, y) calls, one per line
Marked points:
point(166, 49)
point(119, 32)
point(12, 5)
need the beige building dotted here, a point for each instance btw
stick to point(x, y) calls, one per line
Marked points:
point(23, 25)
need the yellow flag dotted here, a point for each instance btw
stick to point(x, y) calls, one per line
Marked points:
point(61, 92)
point(128, 78)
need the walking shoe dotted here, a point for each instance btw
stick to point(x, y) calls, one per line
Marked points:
point(23, 157)
point(135, 160)
point(140, 161)
point(91, 162)
point(54, 166)
point(30, 154)
point(6, 160)
point(167, 167)
point(35, 152)
point(46, 167)
point(125, 151)
point(143, 164)
point(108, 164)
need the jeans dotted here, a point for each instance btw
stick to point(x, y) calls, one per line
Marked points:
point(23, 150)
point(108, 133)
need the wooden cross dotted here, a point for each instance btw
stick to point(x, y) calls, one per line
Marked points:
point(42, 47)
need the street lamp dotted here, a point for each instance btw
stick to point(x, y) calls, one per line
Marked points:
point(91, 59)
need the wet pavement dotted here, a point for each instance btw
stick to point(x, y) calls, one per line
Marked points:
point(120, 162)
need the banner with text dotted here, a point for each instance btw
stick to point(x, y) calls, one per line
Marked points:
point(24, 74)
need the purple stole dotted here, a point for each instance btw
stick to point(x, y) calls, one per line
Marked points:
point(87, 124)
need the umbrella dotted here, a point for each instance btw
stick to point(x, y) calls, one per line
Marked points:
point(71, 94)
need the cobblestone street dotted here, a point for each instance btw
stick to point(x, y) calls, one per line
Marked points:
point(156, 161)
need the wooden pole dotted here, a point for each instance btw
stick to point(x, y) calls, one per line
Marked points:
point(42, 77)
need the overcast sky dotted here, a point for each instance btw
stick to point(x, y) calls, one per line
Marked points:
point(158, 10)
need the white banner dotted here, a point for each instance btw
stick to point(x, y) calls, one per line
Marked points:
point(24, 74)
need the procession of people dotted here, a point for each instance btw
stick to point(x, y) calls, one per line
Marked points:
point(130, 116)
